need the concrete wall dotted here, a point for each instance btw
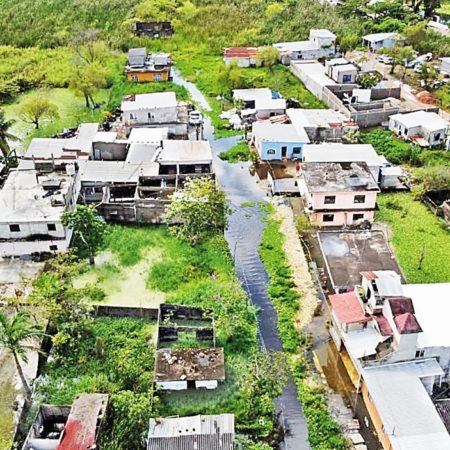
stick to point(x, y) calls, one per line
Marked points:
point(344, 200)
point(340, 218)
point(126, 311)
point(151, 115)
point(278, 150)
point(23, 248)
point(243, 62)
point(30, 228)
point(110, 151)
point(375, 417)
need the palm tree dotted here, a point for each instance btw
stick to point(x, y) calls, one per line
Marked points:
point(14, 334)
point(5, 135)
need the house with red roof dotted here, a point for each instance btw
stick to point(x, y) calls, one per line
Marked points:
point(242, 56)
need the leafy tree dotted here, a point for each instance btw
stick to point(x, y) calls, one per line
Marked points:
point(17, 335)
point(5, 135)
point(86, 79)
point(348, 42)
point(434, 178)
point(88, 48)
point(415, 33)
point(369, 79)
point(268, 56)
point(406, 55)
point(87, 226)
point(198, 211)
point(400, 56)
point(156, 10)
point(428, 73)
point(38, 108)
point(264, 381)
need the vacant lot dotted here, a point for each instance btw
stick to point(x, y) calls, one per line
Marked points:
point(420, 240)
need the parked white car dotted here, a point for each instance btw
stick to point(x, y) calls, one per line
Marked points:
point(195, 118)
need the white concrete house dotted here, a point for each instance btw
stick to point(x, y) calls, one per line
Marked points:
point(260, 102)
point(321, 44)
point(376, 41)
point(341, 71)
point(338, 152)
point(31, 205)
point(427, 129)
point(143, 109)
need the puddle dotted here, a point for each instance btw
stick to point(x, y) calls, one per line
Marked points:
point(333, 246)
point(124, 286)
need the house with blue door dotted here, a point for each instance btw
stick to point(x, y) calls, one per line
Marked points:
point(275, 141)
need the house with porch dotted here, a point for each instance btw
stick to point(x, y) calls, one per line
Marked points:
point(338, 193)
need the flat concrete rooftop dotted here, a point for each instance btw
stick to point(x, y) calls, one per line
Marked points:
point(347, 253)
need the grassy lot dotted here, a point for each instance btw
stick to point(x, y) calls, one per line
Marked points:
point(72, 110)
point(416, 231)
point(398, 151)
point(240, 152)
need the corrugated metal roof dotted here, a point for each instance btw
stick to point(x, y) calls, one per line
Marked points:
point(213, 432)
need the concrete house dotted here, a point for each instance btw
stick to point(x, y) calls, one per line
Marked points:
point(321, 44)
point(400, 353)
point(261, 103)
point(155, 110)
point(192, 433)
point(142, 67)
point(341, 71)
point(383, 173)
point(242, 56)
point(68, 427)
point(321, 125)
point(376, 41)
point(338, 193)
point(426, 129)
point(31, 204)
point(278, 141)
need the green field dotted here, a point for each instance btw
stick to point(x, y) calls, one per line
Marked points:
point(416, 232)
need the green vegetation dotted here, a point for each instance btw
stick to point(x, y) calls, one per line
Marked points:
point(420, 240)
point(240, 152)
point(114, 356)
point(398, 151)
point(323, 430)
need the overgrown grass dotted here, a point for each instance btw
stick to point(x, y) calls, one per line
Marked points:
point(240, 152)
point(324, 432)
point(125, 371)
point(416, 232)
point(398, 151)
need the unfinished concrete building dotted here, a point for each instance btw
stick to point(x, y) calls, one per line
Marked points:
point(139, 188)
point(68, 427)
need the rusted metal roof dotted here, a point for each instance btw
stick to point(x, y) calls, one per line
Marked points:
point(83, 422)
point(347, 307)
point(240, 52)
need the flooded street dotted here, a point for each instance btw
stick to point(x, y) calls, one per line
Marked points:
point(244, 235)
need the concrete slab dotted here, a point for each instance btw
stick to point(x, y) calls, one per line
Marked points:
point(14, 270)
point(347, 253)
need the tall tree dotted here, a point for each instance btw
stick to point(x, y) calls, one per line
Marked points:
point(38, 108)
point(197, 211)
point(348, 42)
point(17, 335)
point(5, 135)
point(268, 57)
point(86, 80)
point(87, 226)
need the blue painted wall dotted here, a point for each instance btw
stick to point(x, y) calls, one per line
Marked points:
point(273, 150)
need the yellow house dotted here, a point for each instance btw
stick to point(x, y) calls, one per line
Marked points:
point(142, 67)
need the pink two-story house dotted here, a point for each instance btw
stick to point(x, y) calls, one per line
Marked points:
point(338, 193)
